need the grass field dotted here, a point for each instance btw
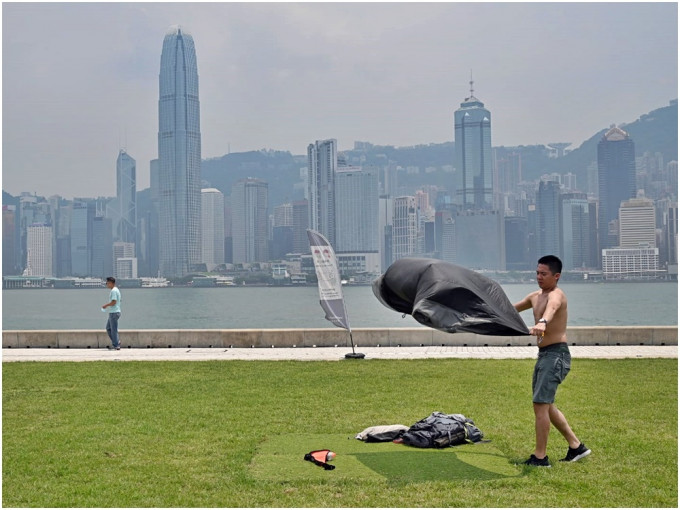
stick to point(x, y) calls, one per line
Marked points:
point(233, 434)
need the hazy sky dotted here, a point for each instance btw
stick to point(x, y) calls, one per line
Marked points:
point(80, 80)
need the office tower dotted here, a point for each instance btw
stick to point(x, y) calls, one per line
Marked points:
point(126, 198)
point(637, 223)
point(671, 234)
point(616, 178)
point(575, 231)
point(81, 237)
point(385, 214)
point(356, 210)
point(39, 250)
point(300, 226)
point(569, 181)
point(548, 218)
point(249, 220)
point(480, 239)
point(9, 231)
point(102, 247)
point(322, 157)
point(124, 260)
point(62, 235)
point(179, 156)
point(509, 169)
point(595, 255)
point(212, 221)
point(517, 244)
point(474, 167)
point(404, 227)
point(282, 231)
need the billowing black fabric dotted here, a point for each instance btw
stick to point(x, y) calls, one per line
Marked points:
point(448, 297)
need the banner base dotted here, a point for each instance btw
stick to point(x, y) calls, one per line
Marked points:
point(355, 355)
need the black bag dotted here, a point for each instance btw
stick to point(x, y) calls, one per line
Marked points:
point(440, 430)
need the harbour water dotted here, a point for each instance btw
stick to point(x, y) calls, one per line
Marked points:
point(590, 304)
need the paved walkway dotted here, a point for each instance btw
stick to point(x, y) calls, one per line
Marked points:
point(329, 353)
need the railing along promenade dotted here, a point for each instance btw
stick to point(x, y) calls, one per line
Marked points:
point(324, 337)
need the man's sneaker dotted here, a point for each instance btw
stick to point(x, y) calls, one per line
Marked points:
point(534, 461)
point(118, 348)
point(574, 454)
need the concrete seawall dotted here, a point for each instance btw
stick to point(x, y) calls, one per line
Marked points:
point(330, 337)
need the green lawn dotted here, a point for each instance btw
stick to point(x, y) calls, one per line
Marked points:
point(233, 434)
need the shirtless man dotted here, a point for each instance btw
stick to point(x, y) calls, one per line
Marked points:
point(549, 305)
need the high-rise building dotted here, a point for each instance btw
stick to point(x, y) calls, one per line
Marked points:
point(212, 221)
point(124, 260)
point(9, 235)
point(474, 166)
point(126, 198)
point(548, 218)
point(249, 220)
point(404, 227)
point(39, 250)
point(385, 213)
point(575, 231)
point(637, 223)
point(300, 226)
point(179, 155)
point(517, 244)
point(322, 157)
point(102, 247)
point(616, 178)
point(480, 239)
point(356, 210)
point(81, 237)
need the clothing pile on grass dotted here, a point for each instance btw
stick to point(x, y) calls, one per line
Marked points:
point(438, 430)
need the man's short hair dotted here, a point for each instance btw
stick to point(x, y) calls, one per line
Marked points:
point(553, 263)
point(110, 279)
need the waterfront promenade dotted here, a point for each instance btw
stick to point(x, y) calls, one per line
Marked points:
point(330, 353)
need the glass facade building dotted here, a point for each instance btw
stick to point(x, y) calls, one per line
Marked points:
point(473, 160)
point(616, 179)
point(179, 156)
point(126, 193)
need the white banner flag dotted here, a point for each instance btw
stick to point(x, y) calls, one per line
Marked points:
point(330, 287)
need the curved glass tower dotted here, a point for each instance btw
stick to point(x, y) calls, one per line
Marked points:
point(179, 156)
point(474, 170)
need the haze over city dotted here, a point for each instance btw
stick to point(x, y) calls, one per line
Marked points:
point(80, 81)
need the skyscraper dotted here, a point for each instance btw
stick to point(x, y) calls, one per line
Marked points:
point(39, 250)
point(126, 194)
point(637, 226)
point(179, 155)
point(212, 221)
point(474, 166)
point(405, 227)
point(356, 210)
point(322, 157)
point(81, 237)
point(548, 218)
point(616, 178)
point(249, 220)
point(575, 231)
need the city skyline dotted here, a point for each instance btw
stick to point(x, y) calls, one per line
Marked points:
point(289, 75)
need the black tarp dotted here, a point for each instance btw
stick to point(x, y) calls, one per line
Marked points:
point(448, 297)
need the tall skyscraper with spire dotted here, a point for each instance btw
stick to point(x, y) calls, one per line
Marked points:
point(474, 165)
point(179, 155)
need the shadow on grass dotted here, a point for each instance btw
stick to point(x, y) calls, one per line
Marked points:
point(279, 458)
point(437, 465)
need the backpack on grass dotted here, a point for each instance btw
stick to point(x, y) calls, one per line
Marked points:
point(440, 430)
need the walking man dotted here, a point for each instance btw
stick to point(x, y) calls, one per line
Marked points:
point(549, 305)
point(114, 313)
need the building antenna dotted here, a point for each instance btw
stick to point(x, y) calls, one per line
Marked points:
point(472, 90)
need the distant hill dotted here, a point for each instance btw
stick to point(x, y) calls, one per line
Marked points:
point(656, 131)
